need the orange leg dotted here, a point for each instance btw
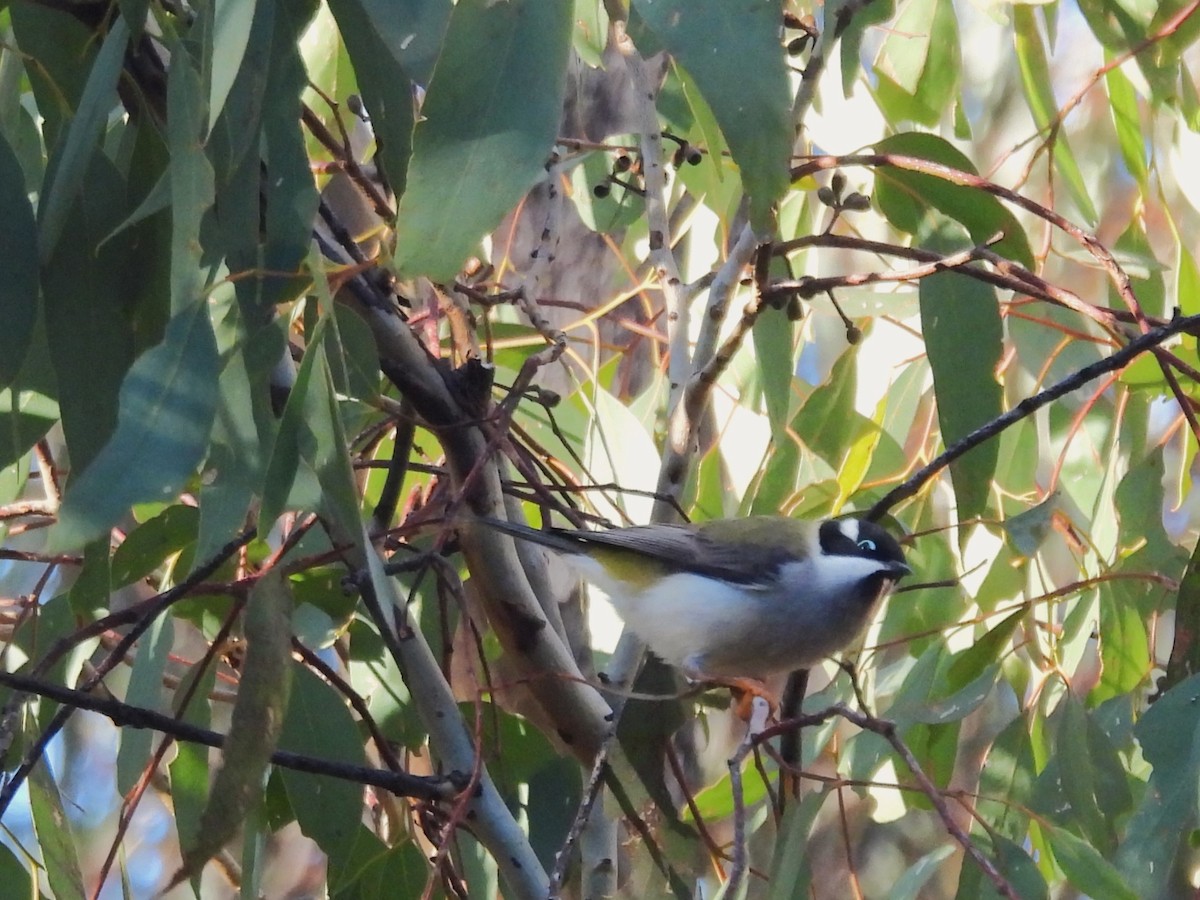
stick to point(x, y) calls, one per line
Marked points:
point(744, 692)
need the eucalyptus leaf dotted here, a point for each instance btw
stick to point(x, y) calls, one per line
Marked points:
point(167, 403)
point(486, 130)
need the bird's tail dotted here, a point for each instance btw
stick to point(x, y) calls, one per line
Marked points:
point(555, 539)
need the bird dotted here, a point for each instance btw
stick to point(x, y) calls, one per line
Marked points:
point(735, 601)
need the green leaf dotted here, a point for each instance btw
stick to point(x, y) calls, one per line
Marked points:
point(191, 176)
point(65, 50)
point(1039, 93)
point(916, 876)
point(229, 38)
point(1077, 776)
point(828, 422)
point(53, 829)
point(167, 404)
point(148, 546)
point(486, 130)
point(1170, 740)
point(27, 408)
point(245, 425)
point(1086, 866)
point(956, 706)
point(93, 325)
point(904, 197)
point(1127, 120)
point(920, 63)
point(238, 124)
point(773, 348)
point(382, 871)
point(392, 46)
point(18, 262)
point(267, 221)
point(751, 103)
point(957, 312)
point(310, 464)
point(70, 164)
point(1028, 530)
point(791, 865)
point(863, 17)
point(327, 809)
point(145, 691)
point(1014, 864)
point(1124, 647)
point(14, 876)
point(256, 721)
point(970, 663)
point(1187, 281)
point(1006, 781)
point(189, 769)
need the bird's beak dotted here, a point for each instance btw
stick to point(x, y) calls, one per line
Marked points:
point(898, 571)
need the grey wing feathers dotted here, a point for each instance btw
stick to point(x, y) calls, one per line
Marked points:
point(682, 548)
point(703, 548)
point(556, 539)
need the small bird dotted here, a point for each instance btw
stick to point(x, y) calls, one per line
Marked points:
point(735, 600)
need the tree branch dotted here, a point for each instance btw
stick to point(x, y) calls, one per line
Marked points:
point(1119, 359)
point(402, 784)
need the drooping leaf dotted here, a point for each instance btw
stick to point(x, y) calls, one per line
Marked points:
point(919, 64)
point(167, 403)
point(773, 347)
point(486, 130)
point(14, 876)
point(1086, 867)
point(256, 722)
point(1170, 740)
point(1036, 79)
point(229, 39)
point(310, 463)
point(713, 39)
point(189, 767)
point(378, 870)
point(70, 164)
point(145, 691)
point(957, 311)
point(1127, 120)
point(28, 408)
point(53, 829)
point(18, 262)
point(191, 178)
point(393, 47)
point(93, 325)
point(328, 810)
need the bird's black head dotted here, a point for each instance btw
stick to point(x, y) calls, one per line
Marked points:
point(857, 537)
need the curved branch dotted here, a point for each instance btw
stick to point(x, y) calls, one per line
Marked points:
point(1119, 359)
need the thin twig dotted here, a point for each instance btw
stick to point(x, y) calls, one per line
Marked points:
point(160, 605)
point(425, 787)
point(1030, 405)
point(759, 710)
point(887, 730)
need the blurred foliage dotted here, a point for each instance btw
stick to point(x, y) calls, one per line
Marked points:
point(290, 288)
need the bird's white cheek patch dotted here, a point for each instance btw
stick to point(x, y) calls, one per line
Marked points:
point(849, 527)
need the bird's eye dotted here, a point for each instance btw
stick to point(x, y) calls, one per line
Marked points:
point(867, 544)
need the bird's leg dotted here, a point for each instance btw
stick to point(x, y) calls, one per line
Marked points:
point(745, 689)
point(744, 692)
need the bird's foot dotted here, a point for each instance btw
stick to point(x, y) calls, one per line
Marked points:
point(745, 690)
